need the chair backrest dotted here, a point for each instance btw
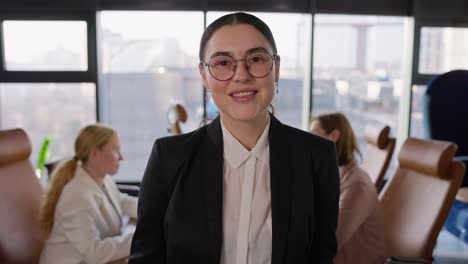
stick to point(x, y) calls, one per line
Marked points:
point(20, 197)
point(378, 153)
point(176, 114)
point(417, 199)
point(445, 110)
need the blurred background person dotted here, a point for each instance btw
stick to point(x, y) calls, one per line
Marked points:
point(360, 232)
point(85, 218)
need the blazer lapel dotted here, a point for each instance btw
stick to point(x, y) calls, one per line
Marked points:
point(112, 226)
point(212, 159)
point(280, 179)
point(113, 195)
point(83, 177)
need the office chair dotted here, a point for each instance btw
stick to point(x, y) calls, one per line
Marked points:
point(417, 199)
point(175, 115)
point(20, 198)
point(378, 153)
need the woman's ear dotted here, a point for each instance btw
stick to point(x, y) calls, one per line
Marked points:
point(92, 152)
point(201, 69)
point(277, 68)
point(335, 135)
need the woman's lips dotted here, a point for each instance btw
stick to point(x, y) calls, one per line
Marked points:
point(243, 96)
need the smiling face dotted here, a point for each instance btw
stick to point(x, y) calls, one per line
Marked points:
point(243, 97)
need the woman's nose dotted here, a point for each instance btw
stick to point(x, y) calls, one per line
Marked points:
point(241, 72)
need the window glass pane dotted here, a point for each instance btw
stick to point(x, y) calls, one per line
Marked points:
point(50, 110)
point(292, 37)
point(358, 69)
point(443, 49)
point(149, 60)
point(45, 45)
point(417, 116)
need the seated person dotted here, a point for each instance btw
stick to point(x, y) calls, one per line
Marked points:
point(360, 232)
point(85, 218)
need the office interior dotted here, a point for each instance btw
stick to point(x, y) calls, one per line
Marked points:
point(67, 64)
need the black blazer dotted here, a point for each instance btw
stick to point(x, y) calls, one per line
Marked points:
point(181, 198)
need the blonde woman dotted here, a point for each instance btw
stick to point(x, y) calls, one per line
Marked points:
point(360, 232)
point(84, 217)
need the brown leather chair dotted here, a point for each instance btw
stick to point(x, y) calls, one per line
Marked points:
point(417, 199)
point(176, 114)
point(378, 153)
point(20, 198)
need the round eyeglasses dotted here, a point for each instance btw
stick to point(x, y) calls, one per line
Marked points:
point(258, 64)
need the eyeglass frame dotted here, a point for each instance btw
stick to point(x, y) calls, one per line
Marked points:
point(273, 57)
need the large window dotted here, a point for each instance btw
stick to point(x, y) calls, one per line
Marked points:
point(443, 49)
point(50, 110)
point(148, 61)
point(358, 69)
point(45, 45)
point(292, 36)
point(47, 80)
point(417, 112)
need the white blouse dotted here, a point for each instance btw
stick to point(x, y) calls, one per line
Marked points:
point(247, 232)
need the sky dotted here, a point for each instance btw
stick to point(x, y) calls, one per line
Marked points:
point(27, 39)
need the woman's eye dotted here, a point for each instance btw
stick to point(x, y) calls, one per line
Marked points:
point(223, 63)
point(256, 59)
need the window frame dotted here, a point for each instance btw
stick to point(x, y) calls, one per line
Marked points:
point(420, 78)
point(88, 76)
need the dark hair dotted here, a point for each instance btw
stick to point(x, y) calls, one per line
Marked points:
point(346, 146)
point(236, 19)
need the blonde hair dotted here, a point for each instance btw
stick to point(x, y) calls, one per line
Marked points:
point(346, 145)
point(96, 135)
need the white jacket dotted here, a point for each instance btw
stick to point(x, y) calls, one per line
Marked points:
point(87, 228)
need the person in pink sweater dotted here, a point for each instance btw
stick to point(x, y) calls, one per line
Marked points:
point(360, 232)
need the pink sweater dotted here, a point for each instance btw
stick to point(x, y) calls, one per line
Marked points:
point(360, 231)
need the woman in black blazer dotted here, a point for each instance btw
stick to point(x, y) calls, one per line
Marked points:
point(245, 188)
